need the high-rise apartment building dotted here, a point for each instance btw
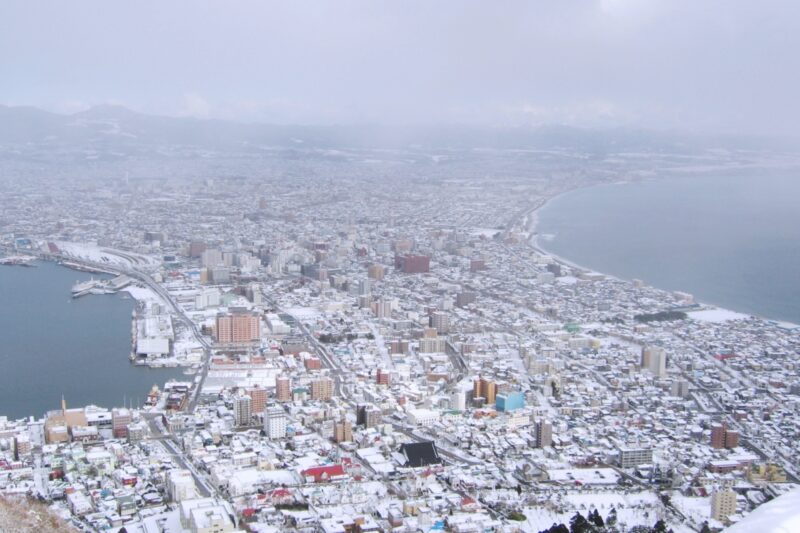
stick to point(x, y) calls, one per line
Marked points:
point(196, 248)
point(723, 504)
point(486, 389)
point(343, 431)
point(283, 389)
point(722, 437)
point(544, 433)
point(275, 423)
point(382, 309)
point(376, 272)
point(242, 410)
point(654, 359)
point(440, 321)
point(258, 397)
point(465, 298)
point(322, 389)
point(383, 377)
point(368, 416)
point(238, 327)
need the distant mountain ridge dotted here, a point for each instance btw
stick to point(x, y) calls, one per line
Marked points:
point(117, 127)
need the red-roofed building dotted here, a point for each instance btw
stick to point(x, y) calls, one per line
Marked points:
point(325, 474)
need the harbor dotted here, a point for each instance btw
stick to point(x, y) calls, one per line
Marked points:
point(18, 260)
point(101, 286)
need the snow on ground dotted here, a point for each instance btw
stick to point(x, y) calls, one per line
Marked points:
point(781, 515)
point(637, 508)
point(143, 294)
point(696, 509)
point(112, 258)
point(567, 280)
point(303, 313)
point(717, 315)
point(485, 232)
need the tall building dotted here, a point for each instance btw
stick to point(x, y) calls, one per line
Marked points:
point(484, 388)
point(211, 258)
point(343, 431)
point(432, 345)
point(654, 359)
point(440, 321)
point(120, 419)
point(382, 309)
point(196, 248)
point(258, 397)
point(275, 423)
point(322, 389)
point(544, 433)
point(368, 416)
point(283, 389)
point(382, 377)
point(412, 264)
point(680, 388)
point(723, 504)
point(722, 437)
point(242, 410)
point(376, 272)
point(238, 327)
point(465, 298)
point(398, 346)
point(364, 287)
point(476, 265)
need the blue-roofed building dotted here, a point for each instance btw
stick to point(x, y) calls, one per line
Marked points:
point(509, 401)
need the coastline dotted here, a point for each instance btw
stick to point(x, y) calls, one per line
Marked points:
point(89, 346)
point(142, 294)
point(705, 305)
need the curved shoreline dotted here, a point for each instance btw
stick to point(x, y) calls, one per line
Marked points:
point(536, 246)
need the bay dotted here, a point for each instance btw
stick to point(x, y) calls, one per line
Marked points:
point(53, 345)
point(730, 240)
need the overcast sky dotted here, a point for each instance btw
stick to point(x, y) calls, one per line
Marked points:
point(717, 65)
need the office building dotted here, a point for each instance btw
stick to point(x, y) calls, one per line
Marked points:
point(509, 401)
point(631, 457)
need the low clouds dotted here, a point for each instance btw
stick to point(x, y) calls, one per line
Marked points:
point(711, 65)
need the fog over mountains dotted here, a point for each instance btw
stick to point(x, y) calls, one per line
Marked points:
point(116, 130)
